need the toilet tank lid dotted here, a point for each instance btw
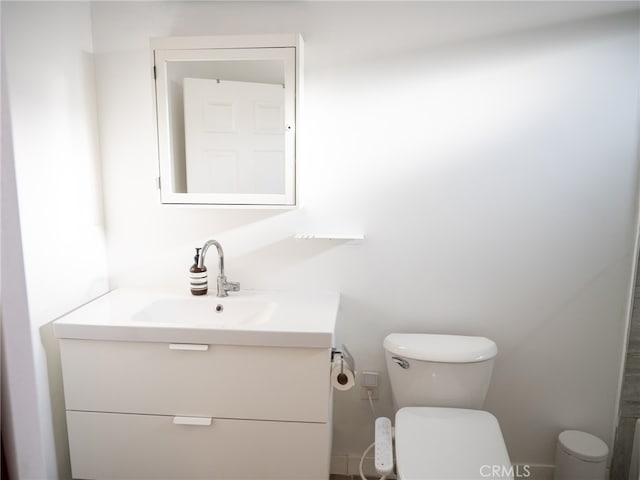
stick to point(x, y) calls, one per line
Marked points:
point(441, 348)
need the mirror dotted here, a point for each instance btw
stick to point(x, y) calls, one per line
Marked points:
point(226, 111)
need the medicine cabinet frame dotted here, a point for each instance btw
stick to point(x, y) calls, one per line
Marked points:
point(287, 48)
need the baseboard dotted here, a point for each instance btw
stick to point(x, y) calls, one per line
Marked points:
point(339, 465)
point(348, 464)
point(533, 472)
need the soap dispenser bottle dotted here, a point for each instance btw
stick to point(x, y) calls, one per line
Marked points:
point(198, 276)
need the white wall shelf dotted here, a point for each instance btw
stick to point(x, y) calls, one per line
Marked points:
point(329, 236)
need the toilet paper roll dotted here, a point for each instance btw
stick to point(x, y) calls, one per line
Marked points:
point(342, 377)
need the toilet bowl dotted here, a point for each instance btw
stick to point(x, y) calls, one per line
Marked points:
point(439, 382)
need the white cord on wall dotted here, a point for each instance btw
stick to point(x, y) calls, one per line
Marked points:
point(370, 395)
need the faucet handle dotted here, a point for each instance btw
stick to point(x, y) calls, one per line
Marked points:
point(232, 286)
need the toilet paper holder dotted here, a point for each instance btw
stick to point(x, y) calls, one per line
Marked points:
point(345, 357)
point(342, 369)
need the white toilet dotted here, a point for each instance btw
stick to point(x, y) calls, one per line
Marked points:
point(439, 382)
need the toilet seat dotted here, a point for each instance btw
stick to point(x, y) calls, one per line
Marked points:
point(434, 443)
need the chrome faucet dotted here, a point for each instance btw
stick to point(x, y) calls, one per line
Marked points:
point(223, 287)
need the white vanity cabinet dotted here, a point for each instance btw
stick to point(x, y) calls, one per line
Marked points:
point(149, 409)
point(161, 410)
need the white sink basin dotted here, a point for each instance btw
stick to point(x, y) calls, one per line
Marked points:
point(286, 319)
point(207, 311)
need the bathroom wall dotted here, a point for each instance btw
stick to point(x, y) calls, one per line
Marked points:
point(487, 151)
point(54, 255)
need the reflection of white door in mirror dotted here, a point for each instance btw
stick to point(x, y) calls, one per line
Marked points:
point(234, 136)
point(227, 110)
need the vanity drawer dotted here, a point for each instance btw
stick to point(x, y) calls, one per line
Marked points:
point(228, 381)
point(120, 446)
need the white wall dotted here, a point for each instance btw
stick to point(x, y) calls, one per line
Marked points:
point(489, 153)
point(61, 241)
point(20, 427)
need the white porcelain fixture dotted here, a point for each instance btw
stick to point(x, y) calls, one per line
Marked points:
point(210, 312)
point(161, 385)
point(439, 382)
point(278, 319)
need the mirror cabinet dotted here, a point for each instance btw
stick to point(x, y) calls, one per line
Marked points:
point(226, 114)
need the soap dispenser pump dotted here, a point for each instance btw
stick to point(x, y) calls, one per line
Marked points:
point(198, 276)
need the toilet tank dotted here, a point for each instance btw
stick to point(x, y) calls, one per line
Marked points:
point(439, 370)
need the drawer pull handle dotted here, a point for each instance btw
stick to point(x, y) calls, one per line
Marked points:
point(188, 346)
point(199, 421)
